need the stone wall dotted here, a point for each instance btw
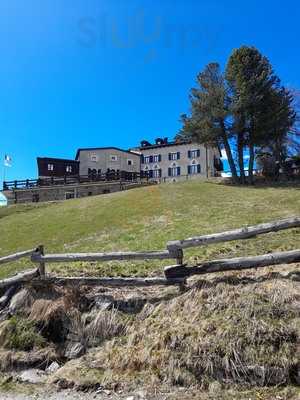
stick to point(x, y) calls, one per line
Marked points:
point(65, 192)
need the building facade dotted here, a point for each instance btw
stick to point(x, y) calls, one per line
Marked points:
point(99, 160)
point(56, 167)
point(173, 161)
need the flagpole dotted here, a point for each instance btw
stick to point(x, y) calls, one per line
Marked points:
point(4, 177)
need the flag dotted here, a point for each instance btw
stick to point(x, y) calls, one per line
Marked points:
point(7, 160)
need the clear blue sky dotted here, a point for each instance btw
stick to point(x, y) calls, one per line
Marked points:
point(83, 73)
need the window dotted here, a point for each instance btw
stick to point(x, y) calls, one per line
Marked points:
point(194, 153)
point(50, 167)
point(68, 168)
point(156, 173)
point(129, 162)
point(94, 157)
point(174, 156)
point(174, 171)
point(147, 159)
point(157, 158)
point(194, 169)
point(113, 157)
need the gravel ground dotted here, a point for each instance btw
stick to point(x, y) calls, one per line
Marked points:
point(74, 395)
point(67, 395)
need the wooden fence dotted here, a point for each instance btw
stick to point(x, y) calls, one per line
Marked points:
point(109, 176)
point(174, 275)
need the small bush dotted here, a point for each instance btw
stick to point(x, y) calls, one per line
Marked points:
point(21, 334)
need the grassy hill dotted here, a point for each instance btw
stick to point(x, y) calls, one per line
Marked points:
point(229, 336)
point(145, 219)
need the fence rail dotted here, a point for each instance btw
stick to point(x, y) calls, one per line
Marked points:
point(16, 256)
point(175, 274)
point(237, 234)
point(122, 256)
point(109, 176)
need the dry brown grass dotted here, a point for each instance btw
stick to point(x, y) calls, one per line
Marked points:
point(105, 325)
point(230, 332)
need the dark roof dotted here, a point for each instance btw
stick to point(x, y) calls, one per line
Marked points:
point(56, 159)
point(156, 146)
point(102, 148)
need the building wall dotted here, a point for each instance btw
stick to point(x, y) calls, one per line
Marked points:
point(56, 167)
point(110, 158)
point(185, 164)
point(65, 192)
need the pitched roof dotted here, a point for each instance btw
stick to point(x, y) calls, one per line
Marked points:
point(56, 159)
point(102, 148)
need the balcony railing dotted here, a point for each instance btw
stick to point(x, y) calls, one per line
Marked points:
point(110, 176)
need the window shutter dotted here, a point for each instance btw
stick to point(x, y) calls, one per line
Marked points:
point(198, 153)
point(189, 169)
point(142, 159)
point(151, 159)
point(178, 171)
point(160, 173)
point(178, 155)
point(189, 154)
point(169, 170)
point(150, 173)
point(199, 168)
point(170, 157)
point(159, 158)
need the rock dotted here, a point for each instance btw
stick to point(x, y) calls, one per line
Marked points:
point(104, 303)
point(74, 350)
point(141, 395)
point(20, 301)
point(53, 367)
point(130, 398)
point(215, 388)
point(33, 376)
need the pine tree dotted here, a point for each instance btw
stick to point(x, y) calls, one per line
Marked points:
point(209, 123)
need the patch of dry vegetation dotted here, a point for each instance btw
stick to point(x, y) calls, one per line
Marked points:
point(247, 334)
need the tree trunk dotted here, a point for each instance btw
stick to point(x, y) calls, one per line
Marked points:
point(240, 149)
point(229, 155)
point(251, 163)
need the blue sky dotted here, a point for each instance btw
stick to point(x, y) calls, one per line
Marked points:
point(84, 73)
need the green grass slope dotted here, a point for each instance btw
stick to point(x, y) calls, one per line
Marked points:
point(145, 219)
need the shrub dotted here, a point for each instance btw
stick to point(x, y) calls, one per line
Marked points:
point(21, 334)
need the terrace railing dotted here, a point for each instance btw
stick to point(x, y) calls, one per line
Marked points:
point(110, 176)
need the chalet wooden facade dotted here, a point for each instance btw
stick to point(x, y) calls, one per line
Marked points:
point(57, 167)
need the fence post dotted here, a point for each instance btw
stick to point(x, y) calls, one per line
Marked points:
point(179, 258)
point(40, 250)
